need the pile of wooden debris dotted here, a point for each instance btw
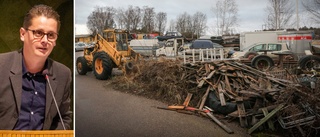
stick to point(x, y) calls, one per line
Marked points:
point(232, 89)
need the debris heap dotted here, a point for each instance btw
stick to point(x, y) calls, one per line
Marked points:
point(230, 88)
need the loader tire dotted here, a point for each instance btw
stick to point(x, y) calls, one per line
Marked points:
point(262, 62)
point(129, 66)
point(309, 62)
point(82, 66)
point(102, 66)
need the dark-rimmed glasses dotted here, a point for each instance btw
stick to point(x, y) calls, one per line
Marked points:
point(39, 34)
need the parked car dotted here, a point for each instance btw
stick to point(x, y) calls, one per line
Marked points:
point(202, 44)
point(170, 35)
point(260, 48)
point(80, 46)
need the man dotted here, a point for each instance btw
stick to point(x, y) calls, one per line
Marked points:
point(26, 101)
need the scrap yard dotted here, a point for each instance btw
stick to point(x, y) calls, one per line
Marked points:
point(263, 94)
point(201, 68)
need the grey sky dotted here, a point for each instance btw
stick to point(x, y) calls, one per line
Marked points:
point(251, 12)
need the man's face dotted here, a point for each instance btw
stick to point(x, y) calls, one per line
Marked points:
point(35, 44)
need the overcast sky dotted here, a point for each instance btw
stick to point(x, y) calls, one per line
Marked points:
point(251, 12)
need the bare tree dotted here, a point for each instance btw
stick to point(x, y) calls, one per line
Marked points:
point(313, 7)
point(183, 23)
point(172, 25)
point(101, 18)
point(226, 12)
point(199, 21)
point(161, 21)
point(129, 19)
point(279, 13)
point(148, 19)
point(120, 18)
point(136, 18)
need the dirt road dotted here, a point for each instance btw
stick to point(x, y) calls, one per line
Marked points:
point(101, 111)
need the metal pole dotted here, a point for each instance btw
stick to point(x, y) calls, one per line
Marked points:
point(297, 12)
point(276, 4)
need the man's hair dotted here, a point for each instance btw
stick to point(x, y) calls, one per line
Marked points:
point(41, 10)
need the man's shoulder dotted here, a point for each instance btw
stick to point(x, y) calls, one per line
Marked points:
point(57, 66)
point(8, 56)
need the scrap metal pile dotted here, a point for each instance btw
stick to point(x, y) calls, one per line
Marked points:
point(255, 98)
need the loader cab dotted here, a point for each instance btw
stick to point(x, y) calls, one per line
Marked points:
point(118, 37)
point(121, 40)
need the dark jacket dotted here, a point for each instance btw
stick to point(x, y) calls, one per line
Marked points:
point(11, 90)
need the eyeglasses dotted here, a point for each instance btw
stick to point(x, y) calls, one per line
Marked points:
point(38, 34)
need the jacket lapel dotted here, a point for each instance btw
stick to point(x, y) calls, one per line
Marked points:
point(16, 79)
point(53, 83)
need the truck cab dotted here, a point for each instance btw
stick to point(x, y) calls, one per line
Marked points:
point(172, 47)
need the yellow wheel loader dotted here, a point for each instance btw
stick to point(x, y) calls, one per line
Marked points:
point(111, 50)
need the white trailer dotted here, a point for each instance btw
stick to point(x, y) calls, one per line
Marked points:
point(298, 41)
point(145, 47)
point(249, 38)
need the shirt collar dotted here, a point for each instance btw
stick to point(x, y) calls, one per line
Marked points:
point(25, 71)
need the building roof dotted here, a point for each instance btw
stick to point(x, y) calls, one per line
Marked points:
point(83, 35)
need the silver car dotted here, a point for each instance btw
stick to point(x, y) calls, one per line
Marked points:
point(80, 46)
point(259, 48)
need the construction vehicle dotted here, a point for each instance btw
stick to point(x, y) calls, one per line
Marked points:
point(111, 50)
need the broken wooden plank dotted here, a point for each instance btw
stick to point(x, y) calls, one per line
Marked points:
point(250, 93)
point(214, 86)
point(201, 83)
point(187, 100)
point(204, 98)
point(207, 68)
point(223, 126)
point(166, 108)
point(176, 107)
point(200, 69)
point(252, 79)
point(183, 76)
point(188, 68)
point(222, 99)
point(221, 96)
point(193, 109)
point(241, 112)
point(265, 113)
point(228, 87)
point(223, 68)
point(239, 74)
point(263, 120)
point(217, 82)
point(230, 68)
point(236, 85)
point(212, 67)
point(210, 75)
point(247, 69)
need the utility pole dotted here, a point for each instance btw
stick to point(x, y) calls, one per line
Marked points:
point(297, 12)
point(276, 13)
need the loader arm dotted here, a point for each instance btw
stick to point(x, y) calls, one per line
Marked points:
point(109, 48)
